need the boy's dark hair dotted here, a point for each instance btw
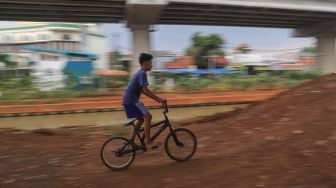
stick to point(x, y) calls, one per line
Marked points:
point(145, 57)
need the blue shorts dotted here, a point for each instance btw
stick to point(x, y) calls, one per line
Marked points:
point(135, 110)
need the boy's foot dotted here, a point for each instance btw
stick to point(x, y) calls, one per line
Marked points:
point(153, 145)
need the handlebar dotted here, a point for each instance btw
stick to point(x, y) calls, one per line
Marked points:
point(165, 107)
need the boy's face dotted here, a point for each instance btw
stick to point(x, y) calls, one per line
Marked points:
point(147, 65)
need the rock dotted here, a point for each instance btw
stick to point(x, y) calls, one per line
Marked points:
point(20, 170)
point(8, 181)
point(269, 138)
point(217, 132)
point(19, 132)
point(3, 157)
point(44, 132)
point(204, 138)
point(247, 132)
point(258, 128)
point(35, 177)
point(201, 146)
point(72, 178)
point(168, 179)
point(264, 177)
point(307, 152)
point(70, 164)
point(243, 117)
point(297, 131)
point(330, 85)
point(315, 91)
point(53, 162)
point(281, 139)
point(285, 119)
point(321, 142)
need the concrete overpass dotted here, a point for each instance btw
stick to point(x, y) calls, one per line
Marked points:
point(307, 17)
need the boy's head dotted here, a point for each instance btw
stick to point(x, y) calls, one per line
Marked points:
point(145, 61)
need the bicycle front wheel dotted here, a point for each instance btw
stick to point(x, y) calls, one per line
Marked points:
point(184, 147)
point(117, 153)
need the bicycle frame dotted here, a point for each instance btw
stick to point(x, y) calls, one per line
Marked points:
point(165, 123)
point(119, 147)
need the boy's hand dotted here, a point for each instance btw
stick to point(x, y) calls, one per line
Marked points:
point(161, 100)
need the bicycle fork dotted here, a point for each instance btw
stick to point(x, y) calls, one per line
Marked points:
point(177, 142)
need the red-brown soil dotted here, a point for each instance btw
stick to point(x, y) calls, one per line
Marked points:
point(286, 141)
point(108, 102)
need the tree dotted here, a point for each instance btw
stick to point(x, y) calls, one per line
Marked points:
point(115, 62)
point(309, 50)
point(204, 46)
point(6, 58)
point(242, 49)
point(114, 57)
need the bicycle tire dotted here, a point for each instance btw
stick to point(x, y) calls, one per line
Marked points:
point(121, 150)
point(180, 134)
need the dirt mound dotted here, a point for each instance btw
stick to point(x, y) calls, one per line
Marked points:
point(290, 138)
point(286, 141)
point(317, 93)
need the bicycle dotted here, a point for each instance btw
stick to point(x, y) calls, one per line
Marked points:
point(118, 153)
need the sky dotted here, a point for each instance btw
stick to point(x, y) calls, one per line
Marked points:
point(176, 38)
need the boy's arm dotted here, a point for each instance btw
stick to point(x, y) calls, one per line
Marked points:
point(150, 94)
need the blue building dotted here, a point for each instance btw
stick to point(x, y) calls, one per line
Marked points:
point(56, 73)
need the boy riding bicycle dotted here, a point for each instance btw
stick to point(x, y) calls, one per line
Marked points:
point(133, 107)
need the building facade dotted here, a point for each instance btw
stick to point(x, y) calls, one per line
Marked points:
point(76, 37)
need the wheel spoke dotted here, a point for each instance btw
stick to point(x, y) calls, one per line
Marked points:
point(117, 153)
point(184, 148)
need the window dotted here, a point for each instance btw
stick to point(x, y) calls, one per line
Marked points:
point(42, 37)
point(6, 38)
point(24, 38)
point(12, 38)
point(46, 57)
point(66, 37)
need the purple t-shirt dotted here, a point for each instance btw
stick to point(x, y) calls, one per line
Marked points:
point(134, 87)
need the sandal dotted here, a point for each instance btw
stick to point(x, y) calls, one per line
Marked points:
point(153, 145)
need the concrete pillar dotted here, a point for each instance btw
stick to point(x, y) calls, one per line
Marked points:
point(141, 44)
point(326, 54)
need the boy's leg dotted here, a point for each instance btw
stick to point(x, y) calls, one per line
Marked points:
point(138, 124)
point(147, 124)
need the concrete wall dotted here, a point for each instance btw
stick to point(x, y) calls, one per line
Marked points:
point(98, 46)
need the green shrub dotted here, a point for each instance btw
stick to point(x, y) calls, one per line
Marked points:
point(301, 75)
point(290, 83)
point(193, 83)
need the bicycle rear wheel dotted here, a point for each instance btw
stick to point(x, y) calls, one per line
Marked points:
point(184, 148)
point(117, 153)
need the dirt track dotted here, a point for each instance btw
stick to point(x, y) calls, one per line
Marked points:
point(108, 102)
point(286, 141)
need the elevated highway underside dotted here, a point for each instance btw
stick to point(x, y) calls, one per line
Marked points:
point(280, 14)
point(308, 18)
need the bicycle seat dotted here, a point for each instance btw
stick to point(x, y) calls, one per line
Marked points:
point(130, 123)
